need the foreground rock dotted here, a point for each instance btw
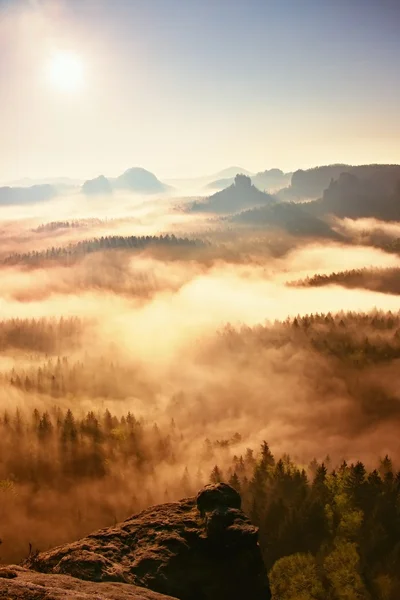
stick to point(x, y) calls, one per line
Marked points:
point(17, 583)
point(195, 549)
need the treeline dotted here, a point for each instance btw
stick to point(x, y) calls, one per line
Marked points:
point(113, 242)
point(74, 224)
point(56, 448)
point(63, 377)
point(392, 245)
point(360, 338)
point(378, 280)
point(64, 474)
point(356, 338)
point(376, 237)
point(326, 532)
point(49, 336)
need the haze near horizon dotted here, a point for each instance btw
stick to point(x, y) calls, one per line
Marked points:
point(186, 89)
point(178, 312)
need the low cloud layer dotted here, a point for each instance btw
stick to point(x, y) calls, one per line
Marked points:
point(189, 337)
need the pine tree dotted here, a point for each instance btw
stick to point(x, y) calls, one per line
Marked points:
point(216, 475)
point(69, 430)
point(267, 458)
point(45, 427)
point(234, 481)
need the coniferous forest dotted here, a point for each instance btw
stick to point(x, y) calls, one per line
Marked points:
point(199, 300)
point(74, 459)
point(145, 355)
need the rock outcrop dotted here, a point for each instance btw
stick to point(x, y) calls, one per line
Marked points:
point(97, 186)
point(17, 583)
point(213, 497)
point(270, 180)
point(239, 196)
point(311, 183)
point(202, 548)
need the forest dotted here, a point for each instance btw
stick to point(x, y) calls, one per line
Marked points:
point(329, 519)
point(199, 285)
point(96, 245)
point(380, 280)
point(333, 529)
point(146, 354)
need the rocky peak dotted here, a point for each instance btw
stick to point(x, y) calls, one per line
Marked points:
point(217, 496)
point(242, 181)
point(201, 548)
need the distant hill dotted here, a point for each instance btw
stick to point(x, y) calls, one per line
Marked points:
point(373, 192)
point(231, 172)
point(55, 181)
point(99, 185)
point(137, 179)
point(311, 183)
point(238, 196)
point(269, 180)
point(194, 185)
point(290, 217)
point(26, 195)
point(220, 184)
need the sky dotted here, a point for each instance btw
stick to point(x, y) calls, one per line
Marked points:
point(187, 87)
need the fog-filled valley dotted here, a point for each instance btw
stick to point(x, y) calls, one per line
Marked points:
point(199, 300)
point(152, 342)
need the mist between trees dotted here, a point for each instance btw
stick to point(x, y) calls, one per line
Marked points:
point(324, 531)
point(319, 385)
point(134, 369)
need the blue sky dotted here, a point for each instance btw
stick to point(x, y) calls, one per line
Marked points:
point(186, 87)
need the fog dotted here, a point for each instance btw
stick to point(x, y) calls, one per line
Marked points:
point(198, 336)
point(369, 226)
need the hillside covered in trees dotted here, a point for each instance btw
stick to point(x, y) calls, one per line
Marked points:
point(380, 280)
point(114, 242)
point(331, 527)
point(199, 361)
point(137, 366)
point(65, 470)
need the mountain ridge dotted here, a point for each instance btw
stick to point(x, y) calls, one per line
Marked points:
point(288, 216)
point(134, 179)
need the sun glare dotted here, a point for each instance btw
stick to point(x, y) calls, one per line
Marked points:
point(66, 72)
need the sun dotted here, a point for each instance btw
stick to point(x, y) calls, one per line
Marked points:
point(66, 72)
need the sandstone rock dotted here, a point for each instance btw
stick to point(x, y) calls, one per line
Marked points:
point(17, 583)
point(173, 549)
point(217, 496)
